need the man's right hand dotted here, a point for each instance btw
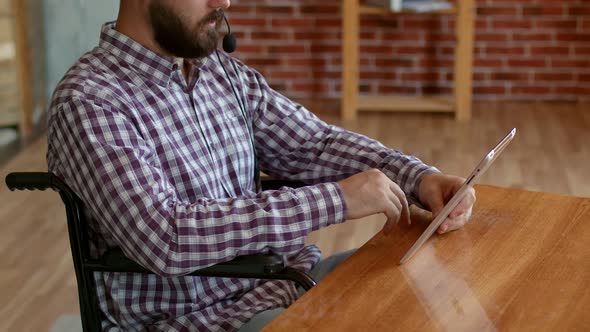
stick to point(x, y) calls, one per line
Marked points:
point(372, 192)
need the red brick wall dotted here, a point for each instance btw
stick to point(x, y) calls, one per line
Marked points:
point(524, 49)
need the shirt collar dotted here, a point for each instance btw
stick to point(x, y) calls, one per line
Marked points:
point(154, 66)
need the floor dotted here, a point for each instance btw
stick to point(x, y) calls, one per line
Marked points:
point(550, 153)
point(8, 138)
point(11, 143)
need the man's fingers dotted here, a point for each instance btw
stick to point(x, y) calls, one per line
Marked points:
point(460, 214)
point(405, 213)
point(392, 217)
point(395, 201)
point(465, 204)
point(392, 210)
point(405, 209)
point(451, 224)
point(456, 212)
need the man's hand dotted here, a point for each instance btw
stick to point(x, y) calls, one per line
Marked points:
point(372, 192)
point(436, 190)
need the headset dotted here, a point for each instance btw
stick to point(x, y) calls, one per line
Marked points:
point(229, 46)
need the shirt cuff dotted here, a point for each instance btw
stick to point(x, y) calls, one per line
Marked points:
point(326, 204)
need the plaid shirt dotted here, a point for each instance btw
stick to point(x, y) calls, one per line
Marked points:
point(165, 169)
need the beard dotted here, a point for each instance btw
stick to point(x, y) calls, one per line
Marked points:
point(181, 40)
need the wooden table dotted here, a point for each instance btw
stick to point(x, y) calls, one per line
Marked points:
point(521, 264)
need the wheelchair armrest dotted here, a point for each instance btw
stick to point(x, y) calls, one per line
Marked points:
point(29, 181)
point(273, 184)
point(258, 266)
point(45, 180)
point(115, 260)
point(38, 181)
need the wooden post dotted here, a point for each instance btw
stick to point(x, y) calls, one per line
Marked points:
point(23, 65)
point(350, 59)
point(464, 59)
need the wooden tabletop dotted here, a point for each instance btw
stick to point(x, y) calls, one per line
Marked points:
point(521, 263)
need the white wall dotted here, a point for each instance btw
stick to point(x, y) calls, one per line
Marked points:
point(72, 27)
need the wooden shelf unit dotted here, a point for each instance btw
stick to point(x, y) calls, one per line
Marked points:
point(459, 104)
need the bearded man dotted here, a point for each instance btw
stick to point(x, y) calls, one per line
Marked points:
point(163, 137)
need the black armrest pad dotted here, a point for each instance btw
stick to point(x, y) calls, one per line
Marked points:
point(272, 184)
point(28, 181)
point(244, 266)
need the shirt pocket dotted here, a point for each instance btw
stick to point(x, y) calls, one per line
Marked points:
point(236, 129)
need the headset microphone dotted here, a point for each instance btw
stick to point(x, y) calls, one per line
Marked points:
point(229, 41)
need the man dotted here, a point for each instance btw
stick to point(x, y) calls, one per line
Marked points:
point(149, 131)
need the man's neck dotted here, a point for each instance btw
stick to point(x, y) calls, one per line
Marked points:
point(185, 66)
point(131, 23)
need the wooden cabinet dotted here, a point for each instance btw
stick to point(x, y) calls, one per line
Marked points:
point(459, 104)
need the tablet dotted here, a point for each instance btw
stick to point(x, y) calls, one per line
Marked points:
point(456, 199)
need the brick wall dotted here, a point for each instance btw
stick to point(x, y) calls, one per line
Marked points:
point(524, 49)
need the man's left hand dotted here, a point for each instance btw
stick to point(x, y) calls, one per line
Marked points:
point(436, 190)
